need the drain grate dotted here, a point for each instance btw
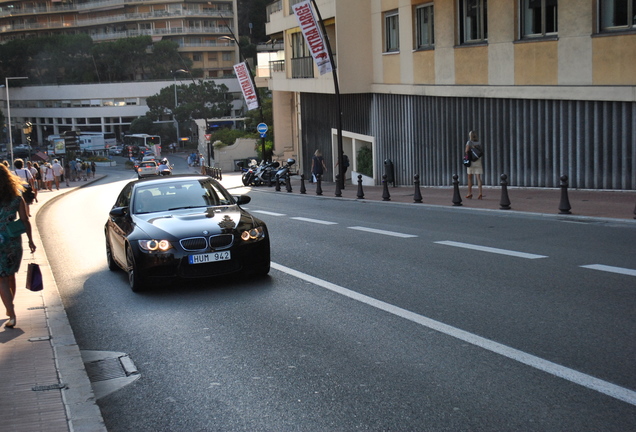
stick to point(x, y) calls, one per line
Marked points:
point(106, 369)
point(49, 387)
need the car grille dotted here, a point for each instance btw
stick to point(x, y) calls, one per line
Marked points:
point(221, 241)
point(194, 244)
point(217, 242)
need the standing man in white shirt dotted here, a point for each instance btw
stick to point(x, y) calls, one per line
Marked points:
point(57, 172)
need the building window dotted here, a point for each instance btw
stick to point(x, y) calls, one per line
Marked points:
point(617, 14)
point(197, 57)
point(473, 21)
point(299, 48)
point(538, 17)
point(391, 32)
point(425, 34)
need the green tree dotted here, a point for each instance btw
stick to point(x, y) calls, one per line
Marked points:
point(253, 117)
point(199, 100)
point(142, 124)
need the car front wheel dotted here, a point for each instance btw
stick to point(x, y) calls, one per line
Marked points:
point(112, 265)
point(134, 278)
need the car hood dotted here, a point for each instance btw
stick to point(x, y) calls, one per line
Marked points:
point(193, 222)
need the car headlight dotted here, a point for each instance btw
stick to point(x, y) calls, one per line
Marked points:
point(255, 233)
point(155, 245)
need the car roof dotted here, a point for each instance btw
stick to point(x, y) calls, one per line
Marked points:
point(148, 163)
point(175, 178)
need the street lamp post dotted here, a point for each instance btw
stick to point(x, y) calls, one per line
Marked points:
point(10, 144)
point(174, 114)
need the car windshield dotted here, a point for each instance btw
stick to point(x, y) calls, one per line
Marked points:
point(179, 195)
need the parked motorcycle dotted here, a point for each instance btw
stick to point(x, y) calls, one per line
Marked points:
point(256, 175)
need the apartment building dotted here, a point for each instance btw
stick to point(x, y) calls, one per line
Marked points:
point(199, 27)
point(548, 85)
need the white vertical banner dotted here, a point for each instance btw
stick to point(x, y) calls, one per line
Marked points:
point(247, 86)
point(314, 38)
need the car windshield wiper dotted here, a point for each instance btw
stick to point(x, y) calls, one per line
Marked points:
point(187, 207)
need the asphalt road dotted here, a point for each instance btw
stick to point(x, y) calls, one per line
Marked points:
point(375, 316)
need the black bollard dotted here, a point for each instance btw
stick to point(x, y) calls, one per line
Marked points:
point(288, 183)
point(417, 196)
point(277, 183)
point(504, 203)
point(360, 191)
point(303, 190)
point(634, 212)
point(318, 184)
point(220, 174)
point(457, 199)
point(385, 189)
point(338, 191)
point(564, 205)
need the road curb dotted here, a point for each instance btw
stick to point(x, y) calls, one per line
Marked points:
point(82, 411)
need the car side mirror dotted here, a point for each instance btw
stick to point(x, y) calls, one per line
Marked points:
point(118, 212)
point(242, 199)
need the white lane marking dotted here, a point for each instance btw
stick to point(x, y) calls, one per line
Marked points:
point(606, 268)
point(314, 221)
point(491, 250)
point(377, 231)
point(547, 366)
point(268, 213)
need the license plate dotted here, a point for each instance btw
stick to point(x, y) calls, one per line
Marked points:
point(209, 257)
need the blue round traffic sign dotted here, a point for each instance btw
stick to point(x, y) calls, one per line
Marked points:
point(261, 128)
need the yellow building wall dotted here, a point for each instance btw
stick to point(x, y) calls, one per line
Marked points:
point(424, 67)
point(614, 60)
point(471, 65)
point(536, 63)
point(391, 68)
point(390, 4)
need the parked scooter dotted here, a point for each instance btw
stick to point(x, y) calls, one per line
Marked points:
point(284, 172)
point(249, 172)
point(265, 174)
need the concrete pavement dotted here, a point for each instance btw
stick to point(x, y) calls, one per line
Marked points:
point(44, 385)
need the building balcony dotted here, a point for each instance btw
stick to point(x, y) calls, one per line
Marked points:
point(161, 32)
point(87, 22)
point(96, 6)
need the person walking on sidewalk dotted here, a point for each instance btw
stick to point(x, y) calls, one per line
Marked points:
point(475, 152)
point(11, 202)
point(317, 165)
point(48, 176)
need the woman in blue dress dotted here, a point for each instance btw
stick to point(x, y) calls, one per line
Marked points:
point(11, 202)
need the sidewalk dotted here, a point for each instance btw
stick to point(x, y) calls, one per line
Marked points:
point(44, 385)
point(600, 204)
